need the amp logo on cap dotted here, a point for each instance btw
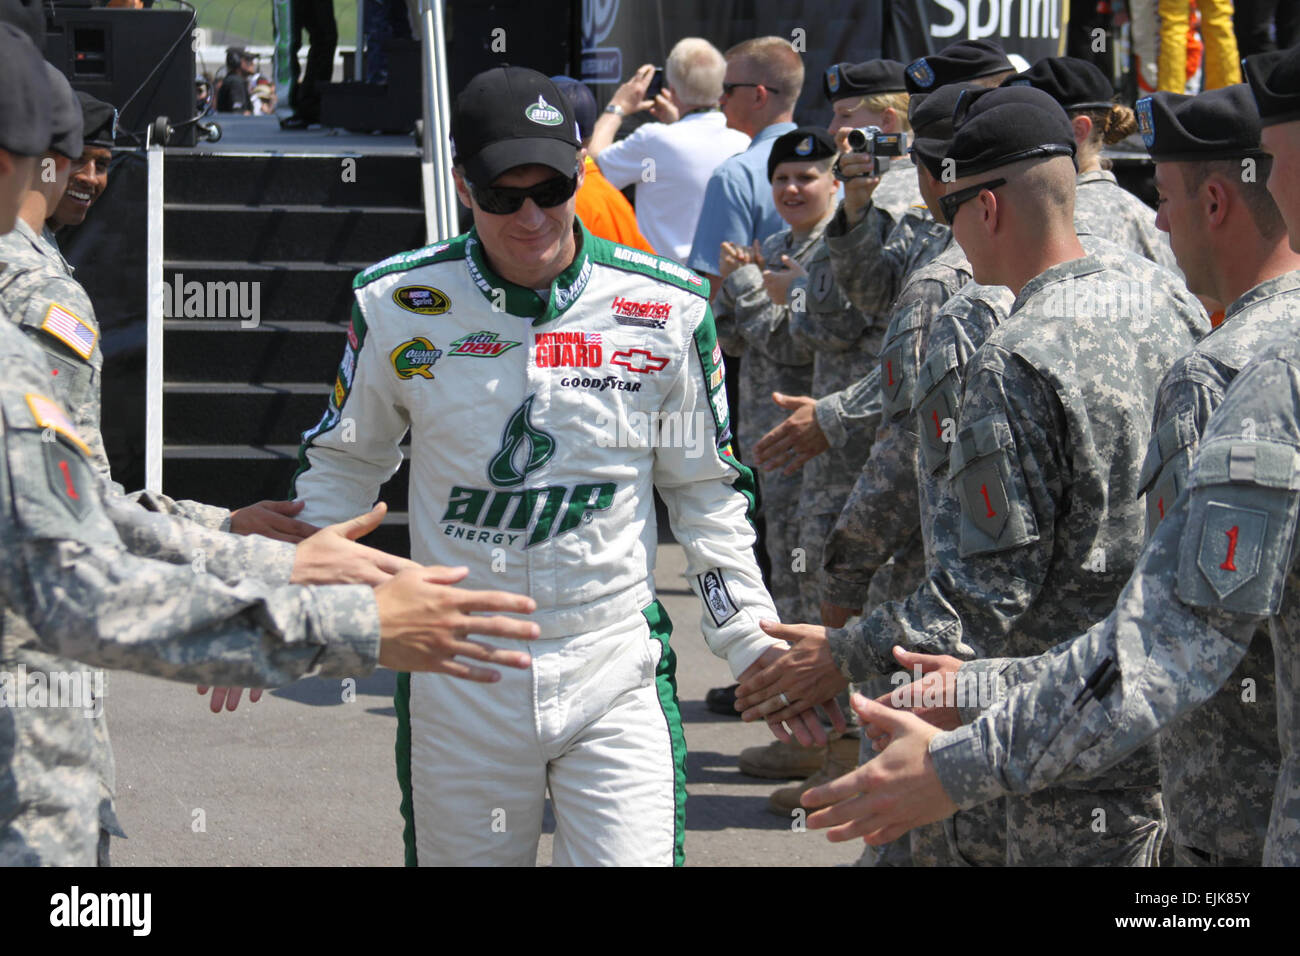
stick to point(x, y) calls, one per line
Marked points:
point(833, 78)
point(922, 73)
point(1146, 121)
point(543, 113)
point(805, 146)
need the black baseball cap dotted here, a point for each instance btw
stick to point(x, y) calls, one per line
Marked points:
point(25, 127)
point(512, 116)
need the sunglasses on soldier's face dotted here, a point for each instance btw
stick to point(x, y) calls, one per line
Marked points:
point(952, 202)
point(504, 200)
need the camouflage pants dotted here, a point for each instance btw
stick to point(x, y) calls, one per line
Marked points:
point(779, 497)
point(1063, 827)
point(812, 532)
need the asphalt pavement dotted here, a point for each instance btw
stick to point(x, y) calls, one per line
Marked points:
point(305, 777)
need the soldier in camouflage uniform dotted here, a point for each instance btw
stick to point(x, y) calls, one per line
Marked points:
point(1101, 207)
point(70, 588)
point(752, 324)
point(39, 293)
point(1223, 558)
point(890, 512)
point(1182, 626)
point(1045, 465)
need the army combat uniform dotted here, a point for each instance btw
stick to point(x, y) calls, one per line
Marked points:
point(1223, 559)
point(1045, 469)
point(67, 578)
point(749, 323)
point(1104, 208)
point(844, 323)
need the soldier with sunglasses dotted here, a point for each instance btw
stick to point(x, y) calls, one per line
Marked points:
point(549, 379)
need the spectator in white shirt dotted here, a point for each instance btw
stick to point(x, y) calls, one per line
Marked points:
point(670, 161)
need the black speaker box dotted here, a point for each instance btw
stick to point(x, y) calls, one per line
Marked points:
point(141, 61)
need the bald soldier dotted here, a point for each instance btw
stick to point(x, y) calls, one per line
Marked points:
point(1045, 464)
point(1221, 562)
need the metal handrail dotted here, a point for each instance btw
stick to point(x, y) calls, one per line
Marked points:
point(440, 220)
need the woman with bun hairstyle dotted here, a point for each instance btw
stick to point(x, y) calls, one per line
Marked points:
point(1101, 207)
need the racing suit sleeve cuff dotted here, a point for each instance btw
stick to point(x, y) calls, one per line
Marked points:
point(963, 767)
point(826, 412)
point(747, 650)
point(347, 620)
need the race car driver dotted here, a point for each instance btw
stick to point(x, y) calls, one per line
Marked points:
point(548, 379)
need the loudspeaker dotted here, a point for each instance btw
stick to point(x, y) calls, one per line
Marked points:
point(141, 61)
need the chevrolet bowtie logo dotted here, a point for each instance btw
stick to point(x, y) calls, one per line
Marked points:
point(638, 360)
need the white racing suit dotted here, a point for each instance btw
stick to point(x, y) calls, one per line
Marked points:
point(537, 431)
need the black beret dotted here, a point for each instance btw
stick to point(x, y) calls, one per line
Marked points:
point(25, 127)
point(804, 144)
point(65, 115)
point(99, 120)
point(1075, 84)
point(932, 126)
point(1216, 124)
point(863, 79)
point(1005, 125)
point(963, 60)
point(1274, 80)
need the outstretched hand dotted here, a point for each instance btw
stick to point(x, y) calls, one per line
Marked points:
point(796, 681)
point(889, 795)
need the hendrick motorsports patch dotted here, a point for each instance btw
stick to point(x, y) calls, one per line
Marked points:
point(415, 357)
point(716, 596)
point(423, 299)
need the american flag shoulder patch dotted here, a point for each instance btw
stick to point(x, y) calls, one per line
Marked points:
point(70, 329)
point(50, 414)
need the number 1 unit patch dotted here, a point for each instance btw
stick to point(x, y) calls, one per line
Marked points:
point(1232, 538)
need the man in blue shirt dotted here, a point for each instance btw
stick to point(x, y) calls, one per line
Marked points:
point(763, 80)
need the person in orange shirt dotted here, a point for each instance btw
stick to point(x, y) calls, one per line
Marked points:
point(602, 208)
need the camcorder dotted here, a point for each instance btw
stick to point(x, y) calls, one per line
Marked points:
point(882, 147)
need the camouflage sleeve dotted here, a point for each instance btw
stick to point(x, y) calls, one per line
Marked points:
point(212, 517)
point(851, 413)
point(1186, 399)
point(1224, 558)
point(987, 572)
point(883, 510)
point(868, 259)
point(64, 569)
point(176, 540)
point(825, 322)
point(56, 314)
point(760, 322)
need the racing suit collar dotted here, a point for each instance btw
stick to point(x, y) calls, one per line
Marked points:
point(565, 289)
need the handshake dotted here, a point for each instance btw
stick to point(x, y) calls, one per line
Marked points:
point(424, 621)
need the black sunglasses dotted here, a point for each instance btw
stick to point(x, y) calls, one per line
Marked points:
point(504, 200)
point(729, 88)
point(952, 202)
